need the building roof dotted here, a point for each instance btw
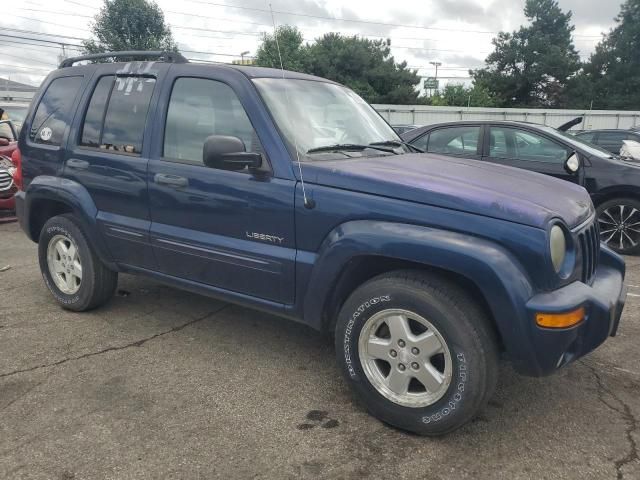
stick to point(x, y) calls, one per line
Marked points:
point(6, 84)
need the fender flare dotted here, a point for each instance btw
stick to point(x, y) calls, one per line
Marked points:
point(73, 195)
point(498, 275)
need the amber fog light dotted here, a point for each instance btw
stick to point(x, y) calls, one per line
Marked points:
point(560, 320)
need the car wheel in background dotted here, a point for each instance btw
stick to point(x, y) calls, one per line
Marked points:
point(619, 222)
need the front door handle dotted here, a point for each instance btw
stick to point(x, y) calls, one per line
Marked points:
point(77, 164)
point(170, 180)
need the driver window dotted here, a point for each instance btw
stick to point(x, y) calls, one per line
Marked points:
point(511, 143)
point(199, 108)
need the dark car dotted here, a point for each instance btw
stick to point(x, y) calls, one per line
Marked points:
point(610, 140)
point(288, 193)
point(612, 182)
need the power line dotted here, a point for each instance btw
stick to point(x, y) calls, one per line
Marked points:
point(48, 23)
point(2, 65)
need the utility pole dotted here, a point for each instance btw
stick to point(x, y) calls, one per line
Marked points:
point(242, 56)
point(436, 64)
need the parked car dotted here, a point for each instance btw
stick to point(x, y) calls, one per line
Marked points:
point(610, 140)
point(216, 179)
point(612, 182)
point(400, 129)
point(8, 144)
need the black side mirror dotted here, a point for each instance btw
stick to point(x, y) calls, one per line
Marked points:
point(572, 163)
point(228, 153)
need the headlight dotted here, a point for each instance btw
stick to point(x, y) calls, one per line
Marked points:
point(557, 247)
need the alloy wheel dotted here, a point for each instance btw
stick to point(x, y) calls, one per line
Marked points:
point(405, 358)
point(64, 264)
point(620, 227)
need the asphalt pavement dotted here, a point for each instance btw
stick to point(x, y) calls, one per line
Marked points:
point(161, 383)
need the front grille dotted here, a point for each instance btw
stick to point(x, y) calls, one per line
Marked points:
point(589, 240)
point(5, 180)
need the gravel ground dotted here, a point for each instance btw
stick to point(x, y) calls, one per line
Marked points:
point(161, 383)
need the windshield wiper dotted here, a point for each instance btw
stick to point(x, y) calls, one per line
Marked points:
point(398, 143)
point(350, 146)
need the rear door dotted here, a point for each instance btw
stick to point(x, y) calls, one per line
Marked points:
point(523, 148)
point(229, 229)
point(108, 156)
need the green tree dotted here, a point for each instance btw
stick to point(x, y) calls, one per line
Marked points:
point(292, 50)
point(130, 25)
point(611, 77)
point(364, 65)
point(532, 66)
point(457, 95)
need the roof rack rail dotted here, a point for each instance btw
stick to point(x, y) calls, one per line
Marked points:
point(171, 57)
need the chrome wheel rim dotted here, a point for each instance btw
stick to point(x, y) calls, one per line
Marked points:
point(620, 226)
point(405, 358)
point(64, 264)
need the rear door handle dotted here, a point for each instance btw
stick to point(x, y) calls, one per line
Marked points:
point(170, 180)
point(77, 164)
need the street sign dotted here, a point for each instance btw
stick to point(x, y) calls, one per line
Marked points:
point(431, 83)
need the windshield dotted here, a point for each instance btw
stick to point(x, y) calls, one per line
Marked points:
point(313, 114)
point(579, 143)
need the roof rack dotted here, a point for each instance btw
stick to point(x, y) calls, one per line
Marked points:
point(170, 57)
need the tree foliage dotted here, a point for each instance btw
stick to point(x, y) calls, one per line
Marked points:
point(532, 66)
point(457, 95)
point(130, 25)
point(366, 66)
point(611, 77)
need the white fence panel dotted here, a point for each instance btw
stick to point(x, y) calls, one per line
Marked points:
point(426, 115)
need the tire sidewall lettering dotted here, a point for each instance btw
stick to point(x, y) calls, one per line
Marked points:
point(348, 333)
point(455, 397)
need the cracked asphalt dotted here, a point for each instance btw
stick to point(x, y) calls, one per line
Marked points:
point(161, 383)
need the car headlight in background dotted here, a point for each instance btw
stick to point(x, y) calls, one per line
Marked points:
point(557, 247)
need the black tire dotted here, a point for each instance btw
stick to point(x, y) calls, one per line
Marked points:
point(609, 214)
point(98, 282)
point(468, 333)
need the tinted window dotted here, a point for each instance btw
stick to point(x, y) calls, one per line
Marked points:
point(421, 142)
point(199, 108)
point(54, 111)
point(612, 137)
point(586, 136)
point(126, 100)
point(454, 141)
point(517, 144)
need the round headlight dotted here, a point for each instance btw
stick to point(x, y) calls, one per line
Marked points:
point(557, 247)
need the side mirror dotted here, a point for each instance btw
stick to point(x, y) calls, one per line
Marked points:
point(572, 163)
point(228, 153)
point(4, 142)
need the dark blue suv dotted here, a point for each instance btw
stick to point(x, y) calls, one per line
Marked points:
point(289, 193)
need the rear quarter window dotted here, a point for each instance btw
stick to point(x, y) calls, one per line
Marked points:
point(53, 114)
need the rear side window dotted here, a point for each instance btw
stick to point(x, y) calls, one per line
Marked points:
point(54, 111)
point(454, 141)
point(117, 114)
point(587, 136)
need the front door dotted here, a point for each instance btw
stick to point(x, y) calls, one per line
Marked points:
point(529, 150)
point(230, 229)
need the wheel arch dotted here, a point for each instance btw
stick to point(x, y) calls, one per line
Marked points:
point(619, 191)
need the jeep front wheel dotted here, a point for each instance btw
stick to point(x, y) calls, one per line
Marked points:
point(73, 273)
point(418, 351)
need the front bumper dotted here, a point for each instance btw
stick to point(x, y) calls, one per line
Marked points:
point(603, 302)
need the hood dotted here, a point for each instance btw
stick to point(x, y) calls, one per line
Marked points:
point(467, 185)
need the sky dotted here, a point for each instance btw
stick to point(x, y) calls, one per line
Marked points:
point(456, 33)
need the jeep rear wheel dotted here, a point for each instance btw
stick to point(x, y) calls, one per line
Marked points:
point(71, 270)
point(418, 351)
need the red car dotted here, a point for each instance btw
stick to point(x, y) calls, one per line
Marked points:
point(8, 143)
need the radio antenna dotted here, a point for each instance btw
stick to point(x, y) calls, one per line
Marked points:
point(308, 203)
